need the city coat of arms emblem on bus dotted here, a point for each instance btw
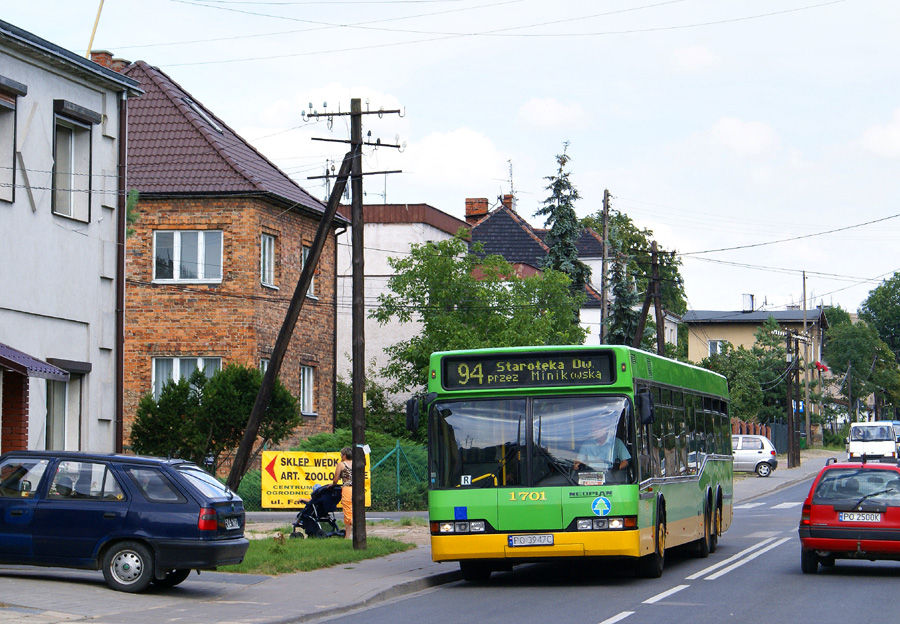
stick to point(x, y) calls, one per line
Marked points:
point(600, 506)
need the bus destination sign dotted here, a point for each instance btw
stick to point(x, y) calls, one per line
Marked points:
point(567, 368)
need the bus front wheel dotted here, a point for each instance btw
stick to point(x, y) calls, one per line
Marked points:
point(651, 566)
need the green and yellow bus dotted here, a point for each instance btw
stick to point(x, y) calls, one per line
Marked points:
point(574, 451)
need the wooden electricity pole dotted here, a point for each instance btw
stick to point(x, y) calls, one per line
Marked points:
point(604, 313)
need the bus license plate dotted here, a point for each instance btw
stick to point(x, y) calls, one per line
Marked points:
point(232, 523)
point(859, 516)
point(531, 540)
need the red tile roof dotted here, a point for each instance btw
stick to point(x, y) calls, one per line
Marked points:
point(178, 146)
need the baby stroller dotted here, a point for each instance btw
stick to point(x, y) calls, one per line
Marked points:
point(320, 509)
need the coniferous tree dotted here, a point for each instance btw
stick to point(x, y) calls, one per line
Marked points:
point(565, 228)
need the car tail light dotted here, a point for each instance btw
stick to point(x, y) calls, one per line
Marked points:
point(772, 452)
point(804, 514)
point(207, 520)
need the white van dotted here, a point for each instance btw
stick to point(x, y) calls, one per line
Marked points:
point(874, 440)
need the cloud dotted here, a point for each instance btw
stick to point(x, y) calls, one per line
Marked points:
point(884, 140)
point(694, 59)
point(746, 138)
point(550, 112)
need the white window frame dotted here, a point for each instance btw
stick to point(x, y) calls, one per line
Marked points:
point(307, 389)
point(304, 256)
point(715, 346)
point(203, 238)
point(267, 260)
point(71, 196)
point(203, 362)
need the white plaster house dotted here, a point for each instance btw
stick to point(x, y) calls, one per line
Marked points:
point(62, 236)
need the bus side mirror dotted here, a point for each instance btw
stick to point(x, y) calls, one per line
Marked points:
point(645, 406)
point(414, 409)
point(412, 414)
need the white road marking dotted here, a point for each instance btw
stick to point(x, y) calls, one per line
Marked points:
point(724, 571)
point(718, 565)
point(787, 505)
point(748, 505)
point(665, 594)
point(617, 618)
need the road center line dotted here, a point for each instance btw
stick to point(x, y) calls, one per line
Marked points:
point(716, 566)
point(617, 618)
point(713, 577)
point(665, 594)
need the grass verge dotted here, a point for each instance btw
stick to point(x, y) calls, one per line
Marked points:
point(266, 556)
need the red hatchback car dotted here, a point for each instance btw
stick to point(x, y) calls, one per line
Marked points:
point(852, 511)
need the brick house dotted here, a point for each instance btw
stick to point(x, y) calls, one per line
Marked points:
point(216, 253)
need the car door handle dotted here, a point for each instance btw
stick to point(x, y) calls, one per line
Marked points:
point(17, 512)
point(110, 514)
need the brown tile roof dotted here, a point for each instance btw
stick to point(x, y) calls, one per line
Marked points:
point(176, 146)
point(408, 213)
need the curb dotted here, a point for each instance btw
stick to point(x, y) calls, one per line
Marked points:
point(403, 589)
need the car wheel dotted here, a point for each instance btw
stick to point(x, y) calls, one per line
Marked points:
point(763, 469)
point(701, 546)
point(172, 578)
point(651, 566)
point(809, 561)
point(475, 571)
point(128, 567)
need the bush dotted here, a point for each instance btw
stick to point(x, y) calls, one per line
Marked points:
point(250, 490)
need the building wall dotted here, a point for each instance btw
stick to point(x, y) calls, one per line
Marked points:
point(381, 241)
point(239, 319)
point(739, 335)
point(57, 286)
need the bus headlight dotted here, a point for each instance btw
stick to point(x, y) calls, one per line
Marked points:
point(476, 526)
point(585, 525)
point(445, 527)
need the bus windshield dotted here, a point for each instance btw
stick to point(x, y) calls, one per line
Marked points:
point(584, 440)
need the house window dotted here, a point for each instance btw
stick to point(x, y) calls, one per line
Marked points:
point(63, 427)
point(7, 147)
point(307, 386)
point(716, 346)
point(72, 170)
point(187, 256)
point(166, 369)
point(267, 260)
point(311, 291)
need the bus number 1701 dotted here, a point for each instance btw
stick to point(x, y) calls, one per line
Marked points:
point(528, 496)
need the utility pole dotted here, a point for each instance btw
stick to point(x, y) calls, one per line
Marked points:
point(790, 398)
point(797, 386)
point(806, 371)
point(604, 314)
point(657, 302)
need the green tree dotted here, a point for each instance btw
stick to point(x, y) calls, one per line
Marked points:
point(382, 415)
point(463, 301)
point(739, 366)
point(205, 418)
point(626, 238)
point(772, 370)
point(881, 310)
point(623, 315)
point(836, 315)
point(565, 229)
point(857, 347)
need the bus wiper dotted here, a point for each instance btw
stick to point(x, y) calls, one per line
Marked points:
point(563, 467)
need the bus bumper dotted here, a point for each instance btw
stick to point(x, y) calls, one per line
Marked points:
point(565, 544)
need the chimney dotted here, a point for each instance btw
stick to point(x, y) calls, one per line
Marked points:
point(509, 201)
point(476, 208)
point(102, 57)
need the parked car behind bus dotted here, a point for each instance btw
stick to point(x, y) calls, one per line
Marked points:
point(753, 453)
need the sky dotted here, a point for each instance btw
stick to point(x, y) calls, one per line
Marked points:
point(757, 138)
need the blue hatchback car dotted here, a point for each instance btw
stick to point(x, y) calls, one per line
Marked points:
point(140, 520)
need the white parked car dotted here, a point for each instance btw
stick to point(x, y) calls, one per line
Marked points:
point(753, 453)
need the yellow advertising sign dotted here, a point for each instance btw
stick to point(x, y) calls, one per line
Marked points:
point(289, 476)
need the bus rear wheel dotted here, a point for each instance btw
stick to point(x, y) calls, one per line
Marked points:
point(475, 571)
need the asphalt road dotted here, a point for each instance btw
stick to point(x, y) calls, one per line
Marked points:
point(754, 576)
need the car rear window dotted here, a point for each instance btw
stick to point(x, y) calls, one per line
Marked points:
point(154, 485)
point(205, 482)
point(840, 484)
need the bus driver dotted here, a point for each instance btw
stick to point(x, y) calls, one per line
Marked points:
point(605, 452)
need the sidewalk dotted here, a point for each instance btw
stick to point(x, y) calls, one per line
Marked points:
point(299, 597)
